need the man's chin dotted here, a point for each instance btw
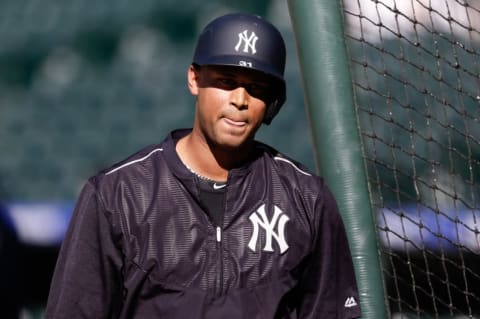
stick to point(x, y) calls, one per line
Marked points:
point(234, 142)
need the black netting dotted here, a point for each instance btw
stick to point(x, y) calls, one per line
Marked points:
point(415, 68)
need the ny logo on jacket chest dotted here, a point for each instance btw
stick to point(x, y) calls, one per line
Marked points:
point(274, 229)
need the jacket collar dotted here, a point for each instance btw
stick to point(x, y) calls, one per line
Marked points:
point(182, 172)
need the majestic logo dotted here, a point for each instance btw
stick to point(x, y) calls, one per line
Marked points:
point(248, 41)
point(350, 302)
point(274, 229)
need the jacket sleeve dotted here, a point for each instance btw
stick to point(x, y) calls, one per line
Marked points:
point(328, 288)
point(87, 278)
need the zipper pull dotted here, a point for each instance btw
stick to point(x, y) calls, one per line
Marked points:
point(219, 234)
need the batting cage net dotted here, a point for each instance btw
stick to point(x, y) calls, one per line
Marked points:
point(416, 78)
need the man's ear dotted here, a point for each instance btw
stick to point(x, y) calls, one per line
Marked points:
point(193, 80)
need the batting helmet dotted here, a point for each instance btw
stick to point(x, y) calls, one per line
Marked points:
point(249, 41)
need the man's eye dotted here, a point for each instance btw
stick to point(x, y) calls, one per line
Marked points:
point(227, 83)
point(257, 89)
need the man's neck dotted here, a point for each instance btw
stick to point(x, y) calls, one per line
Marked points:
point(207, 160)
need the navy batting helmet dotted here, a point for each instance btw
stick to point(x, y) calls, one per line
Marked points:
point(249, 41)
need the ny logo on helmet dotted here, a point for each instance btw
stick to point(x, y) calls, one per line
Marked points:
point(278, 221)
point(248, 42)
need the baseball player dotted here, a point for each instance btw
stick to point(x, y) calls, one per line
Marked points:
point(210, 223)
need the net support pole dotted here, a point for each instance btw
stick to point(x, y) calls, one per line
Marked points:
point(318, 30)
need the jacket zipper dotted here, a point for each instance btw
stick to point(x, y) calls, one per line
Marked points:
point(219, 239)
point(219, 234)
point(219, 286)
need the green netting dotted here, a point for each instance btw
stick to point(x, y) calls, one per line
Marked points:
point(416, 75)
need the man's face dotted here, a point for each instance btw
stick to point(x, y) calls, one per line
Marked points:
point(231, 103)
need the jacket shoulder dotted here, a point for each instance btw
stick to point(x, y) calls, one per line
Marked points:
point(131, 168)
point(287, 166)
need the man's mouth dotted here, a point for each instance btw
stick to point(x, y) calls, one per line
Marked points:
point(234, 122)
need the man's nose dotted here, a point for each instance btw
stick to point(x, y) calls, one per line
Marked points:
point(239, 97)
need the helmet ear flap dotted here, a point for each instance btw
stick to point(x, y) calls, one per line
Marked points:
point(276, 104)
point(272, 110)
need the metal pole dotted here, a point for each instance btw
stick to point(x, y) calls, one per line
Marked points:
point(318, 28)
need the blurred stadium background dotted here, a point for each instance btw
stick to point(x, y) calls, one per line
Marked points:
point(83, 85)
